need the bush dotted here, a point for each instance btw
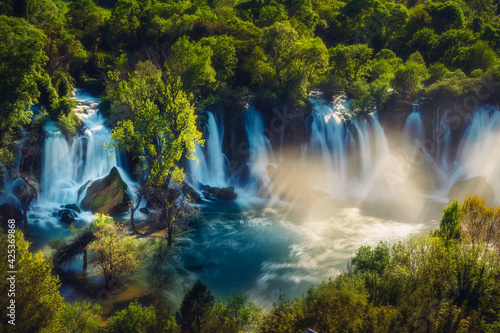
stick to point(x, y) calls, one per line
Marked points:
point(134, 318)
point(69, 124)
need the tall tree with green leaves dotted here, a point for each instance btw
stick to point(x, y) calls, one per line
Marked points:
point(114, 254)
point(21, 63)
point(159, 127)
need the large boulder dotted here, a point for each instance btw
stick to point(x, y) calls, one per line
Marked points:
point(223, 193)
point(191, 192)
point(474, 185)
point(72, 207)
point(66, 215)
point(107, 195)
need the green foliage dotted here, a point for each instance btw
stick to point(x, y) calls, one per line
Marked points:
point(38, 302)
point(159, 126)
point(450, 227)
point(235, 314)
point(134, 318)
point(409, 77)
point(194, 315)
point(21, 61)
point(191, 63)
point(81, 316)
point(114, 254)
point(368, 260)
point(68, 124)
point(477, 56)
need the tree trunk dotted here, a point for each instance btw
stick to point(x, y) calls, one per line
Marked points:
point(169, 236)
point(166, 219)
point(132, 223)
point(106, 280)
point(84, 260)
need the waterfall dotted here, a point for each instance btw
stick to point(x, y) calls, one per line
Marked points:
point(442, 139)
point(260, 150)
point(70, 166)
point(478, 152)
point(330, 139)
point(413, 134)
point(353, 154)
point(210, 165)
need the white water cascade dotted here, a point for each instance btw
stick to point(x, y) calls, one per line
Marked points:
point(260, 150)
point(69, 167)
point(210, 165)
point(477, 154)
point(352, 154)
point(414, 134)
point(479, 149)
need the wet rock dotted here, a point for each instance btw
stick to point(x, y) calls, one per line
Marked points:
point(207, 195)
point(10, 212)
point(73, 207)
point(31, 216)
point(107, 195)
point(66, 215)
point(82, 189)
point(191, 192)
point(475, 185)
point(223, 193)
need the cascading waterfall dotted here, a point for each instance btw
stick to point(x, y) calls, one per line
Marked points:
point(353, 153)
point(67, 167)
point(478, 152)
point(260, 150)
point(414, 134)
point(331, 140)
point(210, 167)
point(442, 139)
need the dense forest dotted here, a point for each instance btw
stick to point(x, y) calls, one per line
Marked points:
point(156, 65)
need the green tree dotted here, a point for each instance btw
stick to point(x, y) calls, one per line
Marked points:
point(21, 64)
point(159, 128)
point(446, 15)
point(81, 316)
point(191, 63)
point(479, 55)
point(368, 260)
point(351, 62)
point(85, 20)
point(235, 314)
point(37, 299)
point(195, 313)
point(277, 42)
point(112, 253)
point(450, 226)
point(134, 318)
point(409, 77)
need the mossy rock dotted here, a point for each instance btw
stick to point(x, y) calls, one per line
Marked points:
point(107, 195)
